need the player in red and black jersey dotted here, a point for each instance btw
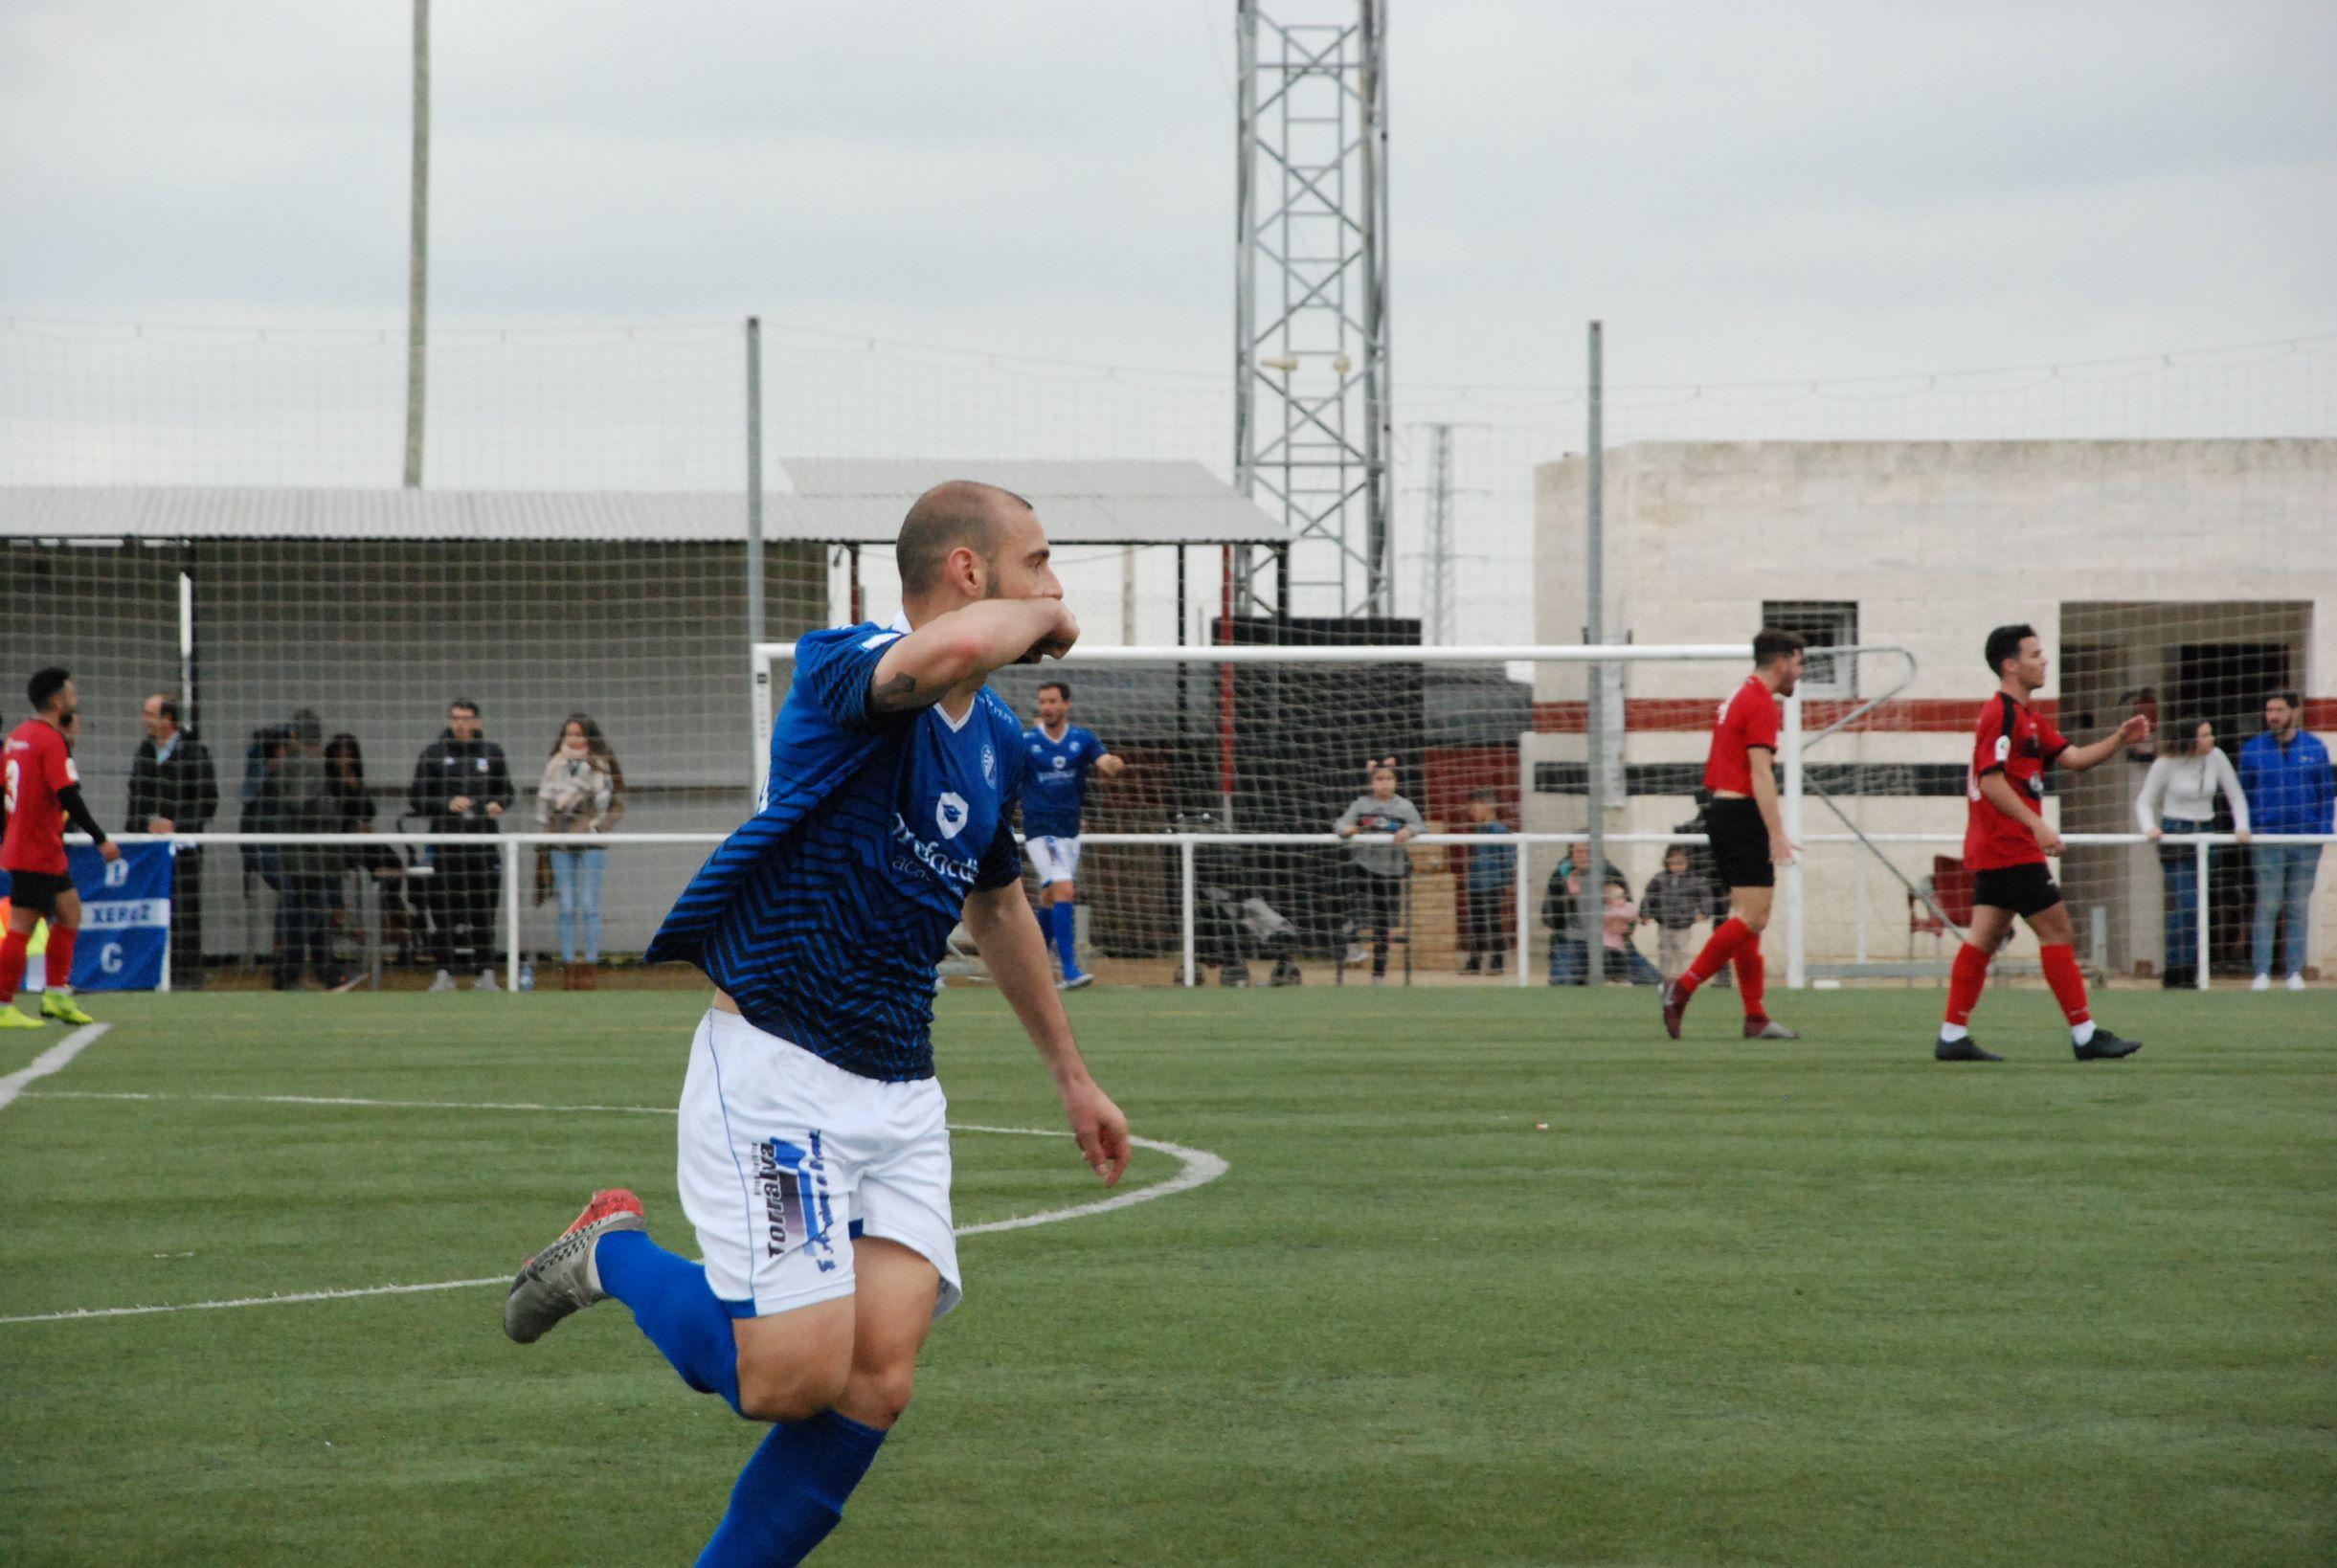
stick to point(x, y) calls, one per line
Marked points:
point(1749, 834)
point(43, 790)
point(2006, 844)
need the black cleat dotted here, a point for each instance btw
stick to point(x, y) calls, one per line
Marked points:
point(1967, 1049)
point(2105, 1046)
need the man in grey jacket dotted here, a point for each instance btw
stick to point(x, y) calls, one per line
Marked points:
point(1379, 869)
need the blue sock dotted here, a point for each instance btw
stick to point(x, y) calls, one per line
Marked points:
point(1064, 918)
point(791, 1492)
point(674, 1305)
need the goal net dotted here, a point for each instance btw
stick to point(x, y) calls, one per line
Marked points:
point(214, 514)
point(1222, 853)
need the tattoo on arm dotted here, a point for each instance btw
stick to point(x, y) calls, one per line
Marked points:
point(899, 692)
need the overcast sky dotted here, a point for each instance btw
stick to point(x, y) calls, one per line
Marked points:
point(1742, 190)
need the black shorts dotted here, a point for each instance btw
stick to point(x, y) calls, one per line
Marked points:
point(1740, 845)
point(38, 890)
point(2027, 890)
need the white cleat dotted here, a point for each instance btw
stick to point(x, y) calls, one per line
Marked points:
point(443, 983)
point(2263, 982)
point(486, 981)
point(2295, 982)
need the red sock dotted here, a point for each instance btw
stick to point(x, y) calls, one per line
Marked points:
point(2060, 963)
point(1723, 941)
point(1752, 974)
point(12, 963)
point(1963, 983)
point(60, 955)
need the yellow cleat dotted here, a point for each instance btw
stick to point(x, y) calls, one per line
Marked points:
point(63, 1009)
point(12, 1019)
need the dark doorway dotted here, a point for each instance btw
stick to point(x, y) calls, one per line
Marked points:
point(2225, 683)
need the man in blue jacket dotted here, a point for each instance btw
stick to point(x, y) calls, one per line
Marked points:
point(2286, 775)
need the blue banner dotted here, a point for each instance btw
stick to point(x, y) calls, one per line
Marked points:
point(126, 918)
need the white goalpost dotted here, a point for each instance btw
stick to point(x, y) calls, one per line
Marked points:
point(1298, 726)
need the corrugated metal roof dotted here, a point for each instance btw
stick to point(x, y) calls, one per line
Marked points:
point(837, 501)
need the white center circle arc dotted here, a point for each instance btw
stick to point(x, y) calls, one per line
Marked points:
point(1196, 1168)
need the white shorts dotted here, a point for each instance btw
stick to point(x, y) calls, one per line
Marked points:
point(1057, 859)
point(785, 1158)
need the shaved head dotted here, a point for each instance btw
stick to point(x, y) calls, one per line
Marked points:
point(959, 513)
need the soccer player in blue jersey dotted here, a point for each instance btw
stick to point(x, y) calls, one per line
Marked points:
point(815, 1160)
point(1054, 788)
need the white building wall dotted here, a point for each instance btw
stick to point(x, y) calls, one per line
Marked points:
point(1936, 542)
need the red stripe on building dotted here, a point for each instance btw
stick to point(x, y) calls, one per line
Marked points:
point(1922, 715)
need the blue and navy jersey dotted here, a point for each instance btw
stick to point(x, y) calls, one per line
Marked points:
point(1055, 780)
point(825, 914)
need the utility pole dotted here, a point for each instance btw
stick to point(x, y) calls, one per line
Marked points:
point(1590, 912)
point(417, 254)
point(1440, 533)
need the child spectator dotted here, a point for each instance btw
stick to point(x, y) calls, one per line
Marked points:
point(1675, 899)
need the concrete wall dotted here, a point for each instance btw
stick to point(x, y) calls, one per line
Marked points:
point(2121, 553)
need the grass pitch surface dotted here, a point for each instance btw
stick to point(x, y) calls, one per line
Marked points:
point(1821, 1302)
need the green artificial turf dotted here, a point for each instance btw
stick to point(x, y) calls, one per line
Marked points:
point(1824, 1301)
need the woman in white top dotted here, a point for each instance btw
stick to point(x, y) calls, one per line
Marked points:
point(2179, 796)
point(583, 792)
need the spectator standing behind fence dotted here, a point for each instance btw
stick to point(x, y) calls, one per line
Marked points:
point(1490, 881)
point(173, 789)
point(1675, 900)
point(1561, 911)
point(2284, 772)
point(583, 792)
point(461, 784)
point(1377, 870)
point(1623, 960)
point(309, 873)
point(2179, 796)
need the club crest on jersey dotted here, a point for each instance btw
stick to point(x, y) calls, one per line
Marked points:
point(1062, 762)
point(950, 812)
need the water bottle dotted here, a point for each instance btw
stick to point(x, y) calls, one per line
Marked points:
point(526, 975)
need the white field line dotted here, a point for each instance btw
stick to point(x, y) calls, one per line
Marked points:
point(1197, 1167)
point(50, 1061)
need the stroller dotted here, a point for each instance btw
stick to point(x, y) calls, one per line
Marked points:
point(1234, 932)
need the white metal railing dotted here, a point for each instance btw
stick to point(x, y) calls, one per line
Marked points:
point(1187, 845)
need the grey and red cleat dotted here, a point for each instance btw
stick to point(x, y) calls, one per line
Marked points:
point(1765, 1027)
point(1675, 1007)
point(561, 1279)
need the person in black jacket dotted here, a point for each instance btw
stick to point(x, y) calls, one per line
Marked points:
point(1562, 912)
point(461, 784)
point(173, 789)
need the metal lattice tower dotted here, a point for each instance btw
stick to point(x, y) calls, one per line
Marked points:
point(1312, 425)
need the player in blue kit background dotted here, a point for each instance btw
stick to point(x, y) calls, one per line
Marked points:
point(815, 1156)
point(1060, 755)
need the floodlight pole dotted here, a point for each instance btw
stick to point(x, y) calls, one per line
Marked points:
point(1591, 908)
point(1312, 403)
point(418, 250)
